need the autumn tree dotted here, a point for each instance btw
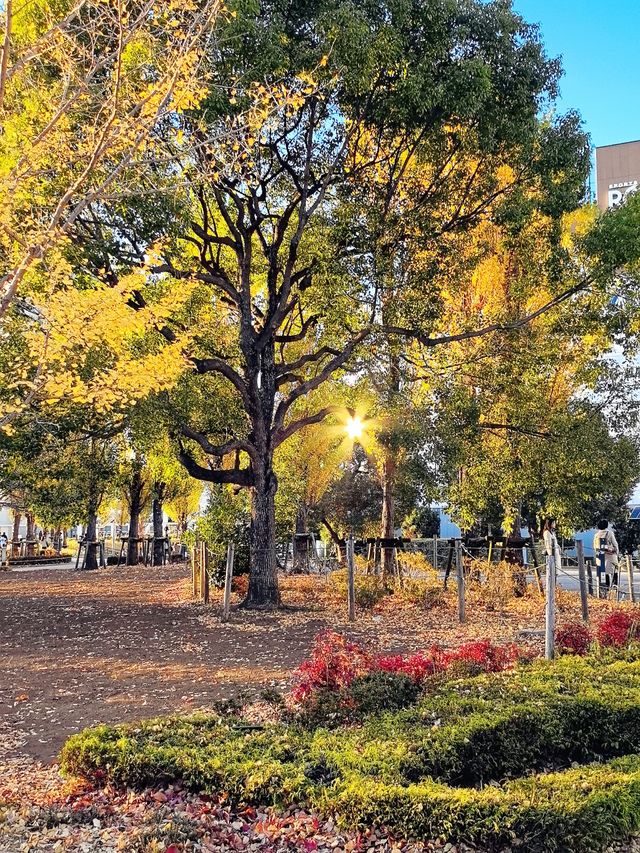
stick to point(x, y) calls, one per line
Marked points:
point(522, 429)
point(84, 87)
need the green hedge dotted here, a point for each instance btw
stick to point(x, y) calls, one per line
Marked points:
point(423, 771)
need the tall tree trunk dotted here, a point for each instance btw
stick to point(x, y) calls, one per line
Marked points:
point(15, 540)
point(31, 534)
point(91, 536)
point(136, 487)
point(158, 533)
point(387, 527)
point(263, 579)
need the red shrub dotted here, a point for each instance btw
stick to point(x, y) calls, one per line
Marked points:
point(417, 666)
point(484, 656)
point(618, 628)
point(574, 638)
point(334, 663)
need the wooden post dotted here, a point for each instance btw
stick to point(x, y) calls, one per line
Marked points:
point(203, 570)
point(550, 609)
point(632, 593)
point(584, 599)
point(228, 580)
point(460, 574)
point(205, 574)
point(194, 576)
point(447, 570)
point(589, 578)
point(351, 582)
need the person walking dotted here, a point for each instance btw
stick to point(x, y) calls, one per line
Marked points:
point(551, 547)
point(4, 544)
point(607, 551)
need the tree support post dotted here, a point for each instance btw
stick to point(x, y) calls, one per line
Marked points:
point(228, 580)
point(351, 583)
point(460, 576)
point(584, 598)
point(550, 609)
point(447, 570)
point(203, 571)
point(632, 593)
point(194, 571)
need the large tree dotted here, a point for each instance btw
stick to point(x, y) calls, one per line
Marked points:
point(452, 88)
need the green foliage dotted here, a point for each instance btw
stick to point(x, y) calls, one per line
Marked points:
point(369, 589)
point(226, 519)
point(423, 771)
point(366, 695)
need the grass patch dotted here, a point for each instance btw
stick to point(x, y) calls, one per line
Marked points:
point(486, 760)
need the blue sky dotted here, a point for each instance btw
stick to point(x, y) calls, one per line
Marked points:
point(599, 41)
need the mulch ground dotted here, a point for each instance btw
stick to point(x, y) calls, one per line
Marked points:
point(119, 644)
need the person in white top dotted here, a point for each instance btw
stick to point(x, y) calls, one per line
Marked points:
point(607, 551)
point(551, 547)
point(4, 542)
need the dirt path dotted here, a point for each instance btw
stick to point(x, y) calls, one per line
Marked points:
point(114, 645)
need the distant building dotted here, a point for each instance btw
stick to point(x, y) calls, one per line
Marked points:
point(617, 173)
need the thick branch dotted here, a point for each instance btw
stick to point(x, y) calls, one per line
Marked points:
point(298, 336)
point(234, 476)
point(306, 359)
point(295, 426)
point(218, 450)
point(218, 365)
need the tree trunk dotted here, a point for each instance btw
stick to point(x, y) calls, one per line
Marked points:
point(91, 535)
point(135, 495)
point(158, 533)
point(31, 534)
point(15, 541)
point(301, 541)
point(387, 527)
point(263, 580)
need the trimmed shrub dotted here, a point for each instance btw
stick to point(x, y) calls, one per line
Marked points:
point(573, 638)
point(415, 771)
point(367, 694)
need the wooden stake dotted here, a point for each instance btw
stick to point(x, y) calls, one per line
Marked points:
point(632, 593)
point(228, 580)
point(203, 570)
point(205, 574)
point(351, 581)
point(460, 574)
point(447, 570)
point(550, 609)
point(584, 597)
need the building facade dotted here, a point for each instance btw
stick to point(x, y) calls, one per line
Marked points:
point(617, 173)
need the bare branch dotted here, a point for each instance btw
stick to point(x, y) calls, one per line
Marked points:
point(425, 340)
